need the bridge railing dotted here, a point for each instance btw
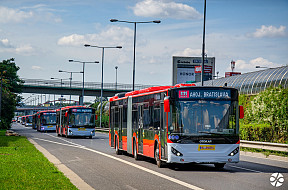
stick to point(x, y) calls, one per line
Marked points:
point(78, 84)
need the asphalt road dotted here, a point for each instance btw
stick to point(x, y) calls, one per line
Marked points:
point(98, 165)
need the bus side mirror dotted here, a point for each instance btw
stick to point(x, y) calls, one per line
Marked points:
point(66, 114)
point(241, 112)
point(96, 117)
point(39, 116)
point(166, 104)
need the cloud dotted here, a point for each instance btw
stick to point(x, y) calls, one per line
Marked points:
point(189, 52)
point(36, 68)
point(241, 65)
point(113, 35)
point(6, 46)
point(5, 43)
point(269, 31)
point(165, 9)
point(8, 15)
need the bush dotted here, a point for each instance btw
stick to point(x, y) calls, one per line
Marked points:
point(266, 116)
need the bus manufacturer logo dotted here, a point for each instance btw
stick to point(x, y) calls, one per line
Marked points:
point(205, 141)
point(183, 93)
point(206, 147)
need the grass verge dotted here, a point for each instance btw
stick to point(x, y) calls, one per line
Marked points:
point(265, 152)
point(22, 166)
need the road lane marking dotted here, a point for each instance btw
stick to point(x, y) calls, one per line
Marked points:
point(131, 164)
point(62, 139)
point(245, 169)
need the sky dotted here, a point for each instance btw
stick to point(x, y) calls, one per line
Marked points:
point(43, 35)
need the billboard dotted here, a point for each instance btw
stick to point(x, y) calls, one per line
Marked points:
point(188, 69)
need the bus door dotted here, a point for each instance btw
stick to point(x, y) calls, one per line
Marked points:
point(112, 126)
point(163, 132)
point(120, 126)
point(140, 129)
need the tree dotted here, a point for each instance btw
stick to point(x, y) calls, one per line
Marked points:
point(11, 87)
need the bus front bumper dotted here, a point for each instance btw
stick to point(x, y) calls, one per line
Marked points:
point(203, 153)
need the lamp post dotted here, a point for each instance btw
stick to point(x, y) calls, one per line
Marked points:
point(102, 74)
point(83, 62)
point(3, 72)
point(134, 51)
point(71, 72)
point(203, 46)
point(116, 77)
point(60, 86)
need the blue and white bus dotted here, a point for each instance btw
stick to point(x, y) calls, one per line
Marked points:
point(178, 124)
point(76, 121)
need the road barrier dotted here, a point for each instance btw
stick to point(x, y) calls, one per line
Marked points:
point(264, 145)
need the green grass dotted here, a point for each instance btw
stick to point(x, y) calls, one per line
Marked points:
point(265, 152)
point(22, 166)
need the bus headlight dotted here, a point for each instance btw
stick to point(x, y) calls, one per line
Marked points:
point(176, 152)
point(234, 152)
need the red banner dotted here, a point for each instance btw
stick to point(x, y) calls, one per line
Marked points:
point(207, 69)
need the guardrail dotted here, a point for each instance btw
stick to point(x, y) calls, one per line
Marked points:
point(264, 145)
point(243, 143)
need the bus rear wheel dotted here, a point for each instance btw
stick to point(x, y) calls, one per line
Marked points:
point(118, 152)
point(159, 163)
point(136, 156)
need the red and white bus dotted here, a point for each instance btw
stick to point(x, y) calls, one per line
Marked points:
point(75, 121)
point(46, 120)
point(177, 124)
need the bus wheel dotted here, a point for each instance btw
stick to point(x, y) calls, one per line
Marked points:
point(219, 165)
point(159, 163)
point(118, 152)
point(136, 156)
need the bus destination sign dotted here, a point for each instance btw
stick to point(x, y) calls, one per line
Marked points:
point(204, 94)
point(82, 110)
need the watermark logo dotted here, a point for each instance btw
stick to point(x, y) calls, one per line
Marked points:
point(277, 179)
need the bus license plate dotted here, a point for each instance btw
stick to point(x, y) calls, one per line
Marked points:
point(50, 126)
point(81, 129)
point(206, 147)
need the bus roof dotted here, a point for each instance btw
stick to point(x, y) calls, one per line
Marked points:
point(148, 90)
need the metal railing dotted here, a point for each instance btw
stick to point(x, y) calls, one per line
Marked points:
point(264, 145)
point(78, 84)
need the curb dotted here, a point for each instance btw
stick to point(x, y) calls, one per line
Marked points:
point(74, 178)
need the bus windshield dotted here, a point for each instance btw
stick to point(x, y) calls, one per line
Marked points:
point(29, 119)
point(49, 119)
point(81, 119)
point(202, 117)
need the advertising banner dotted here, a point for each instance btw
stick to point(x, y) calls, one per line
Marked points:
point(185, 74)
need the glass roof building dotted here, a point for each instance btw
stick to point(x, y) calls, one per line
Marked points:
point(254, 82)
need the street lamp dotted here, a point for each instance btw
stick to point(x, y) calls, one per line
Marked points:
point(260, 67)
point(102, 47)
point(71, 72)
point(116, 77)
point(60, 86)
point(82, 99)
point(134, 55)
